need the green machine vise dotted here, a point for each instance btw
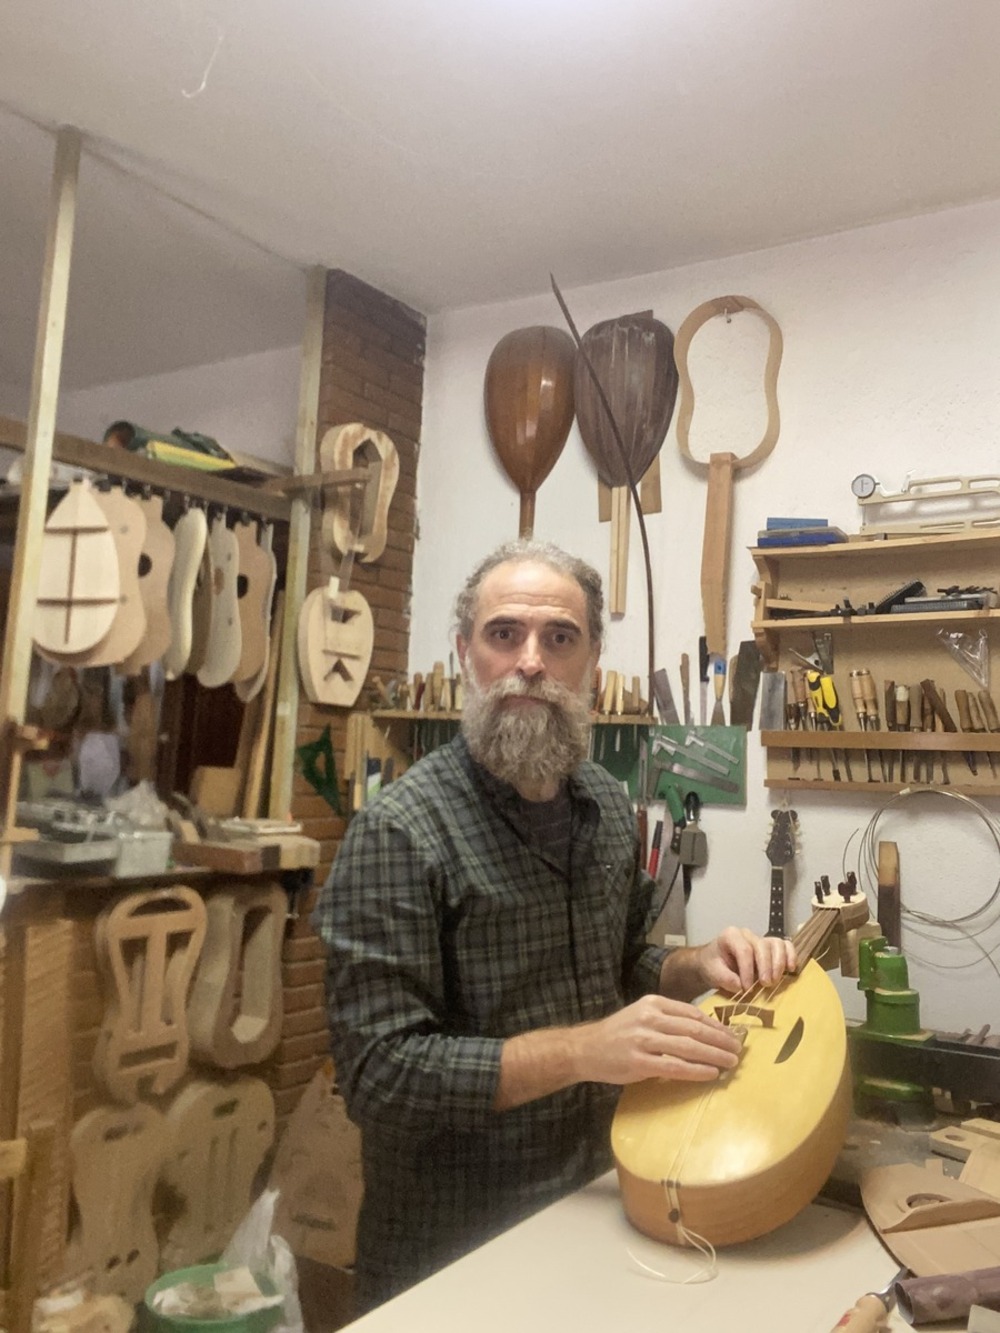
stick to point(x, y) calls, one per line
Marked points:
point(893, 1016)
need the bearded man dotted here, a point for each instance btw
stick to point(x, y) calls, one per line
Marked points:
point(490, 984)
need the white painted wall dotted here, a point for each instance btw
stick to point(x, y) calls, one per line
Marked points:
point(892, 345)
point(249, 404)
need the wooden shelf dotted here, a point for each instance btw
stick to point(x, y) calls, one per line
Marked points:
point(903, 649)
point(265, 500)
point(881, 788)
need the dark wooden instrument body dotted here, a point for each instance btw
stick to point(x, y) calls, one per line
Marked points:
point(732, 1160)
point(633, 357)
point(528, 399)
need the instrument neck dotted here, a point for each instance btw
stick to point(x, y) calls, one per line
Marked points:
point(811, 938)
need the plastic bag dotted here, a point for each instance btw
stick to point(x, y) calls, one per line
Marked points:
point(971, 652)
point(255, 1245)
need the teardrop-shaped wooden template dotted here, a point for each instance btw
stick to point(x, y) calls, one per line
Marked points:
point(633, 359)
point(528, 398)
point(155, 565)
point(345, 528)
point(128, 528)
point(336, 633)
point(78, 584)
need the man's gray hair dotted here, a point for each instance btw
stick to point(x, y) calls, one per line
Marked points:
point(545, 553)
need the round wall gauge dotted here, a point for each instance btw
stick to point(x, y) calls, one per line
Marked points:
point(864, 486)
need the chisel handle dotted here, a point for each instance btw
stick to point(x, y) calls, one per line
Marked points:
point(964, 715)
point(890, 705)
point(903, 707)
point(868, 1315)
point(989, 711)
point(870, 697)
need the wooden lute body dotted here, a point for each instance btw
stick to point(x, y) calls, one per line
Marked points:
point(734, 1159)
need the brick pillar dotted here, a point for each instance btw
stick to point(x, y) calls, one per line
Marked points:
point(373, 372)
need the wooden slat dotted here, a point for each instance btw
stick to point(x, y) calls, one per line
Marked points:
point(108, 460)
point(38, 454)
point(296, 569)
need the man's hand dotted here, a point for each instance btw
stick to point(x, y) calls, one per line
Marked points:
point(654, 1038)
point(732, 962)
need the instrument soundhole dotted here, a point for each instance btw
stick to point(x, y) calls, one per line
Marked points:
point(791, 1043)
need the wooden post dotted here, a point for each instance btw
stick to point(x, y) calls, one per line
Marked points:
point(889, 903)
point(287, 707)
point(45, 373)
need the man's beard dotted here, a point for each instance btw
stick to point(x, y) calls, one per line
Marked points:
point(526, 746)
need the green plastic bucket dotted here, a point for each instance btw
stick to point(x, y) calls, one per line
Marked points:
point(258, 1321)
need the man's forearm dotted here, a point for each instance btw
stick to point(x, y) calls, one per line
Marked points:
point(536, 1064)
point(681, 976)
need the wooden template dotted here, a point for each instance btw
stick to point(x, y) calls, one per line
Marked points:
point(336, 639)
point(352, 446)
point(247, 687)
point(127, 523)
point(147, 947)
point(225, 641)
point(219, 1135)
point(78, 579)
point(154, 581)
point(118, 1153)
point(722, 465)
point(255, 580)
point(235, 1008)
point(190, 536)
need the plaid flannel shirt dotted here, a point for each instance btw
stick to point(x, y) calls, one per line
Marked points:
point(447, 934)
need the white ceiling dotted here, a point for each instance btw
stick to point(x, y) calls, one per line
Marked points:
point(453, 152)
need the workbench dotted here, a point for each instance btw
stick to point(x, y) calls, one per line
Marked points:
point(570, 1267)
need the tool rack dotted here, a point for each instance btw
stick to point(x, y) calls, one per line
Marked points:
point(902, 647)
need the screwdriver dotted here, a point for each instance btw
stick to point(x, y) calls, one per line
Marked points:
point(801, 704)
point(823, 693)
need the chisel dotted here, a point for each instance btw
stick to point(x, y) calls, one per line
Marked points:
point(703, 680)
point(903, 724)
point(990, 719)
point(860, 700)
point(978, 725)
point(947, 721)
point(719, 678)
point(889, 757)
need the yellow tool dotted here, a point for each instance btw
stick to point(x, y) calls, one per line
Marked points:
point(829, 717)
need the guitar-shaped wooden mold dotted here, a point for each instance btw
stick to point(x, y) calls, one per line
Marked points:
point(190, 535)
point(336, 635)
point(254, 588)
point(247, 687)
point(147, 946)
point(225, 636)
point(78, 579)
point(733, 1159)
point(780, 852)
point(117, 1154)
point(155, 565)
point(357, 445)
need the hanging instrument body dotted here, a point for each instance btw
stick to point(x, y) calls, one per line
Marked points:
point(734, 1159)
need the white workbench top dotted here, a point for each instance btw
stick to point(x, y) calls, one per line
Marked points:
point(569, 1268)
